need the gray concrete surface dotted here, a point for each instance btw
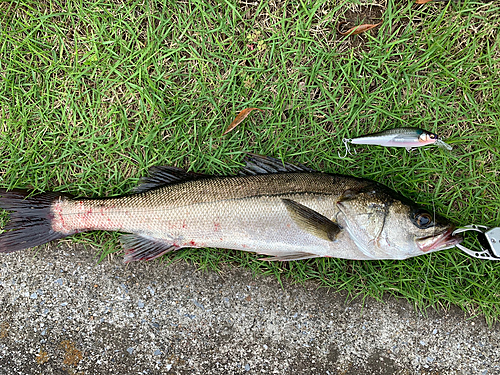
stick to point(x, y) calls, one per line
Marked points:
point(62, 313)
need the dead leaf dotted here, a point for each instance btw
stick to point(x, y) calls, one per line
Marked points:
point(241, 116)
point(422, 1)
point(357, 29)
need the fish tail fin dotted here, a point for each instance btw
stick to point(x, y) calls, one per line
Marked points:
point(30, 219)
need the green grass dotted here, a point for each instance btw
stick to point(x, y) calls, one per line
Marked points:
point(93, 93)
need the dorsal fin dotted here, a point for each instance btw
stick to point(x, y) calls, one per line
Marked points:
point(256, 164)
point(164, 175)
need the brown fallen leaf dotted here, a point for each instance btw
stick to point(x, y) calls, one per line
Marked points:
point(422, 1)
point(357, 29)
point(239, 118)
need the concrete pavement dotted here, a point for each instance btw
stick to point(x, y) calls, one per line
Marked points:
point(62, 313)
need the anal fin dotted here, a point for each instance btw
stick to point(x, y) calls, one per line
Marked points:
point(140, 247)
point(290, 256)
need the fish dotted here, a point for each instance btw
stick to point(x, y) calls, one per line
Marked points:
point(409, 138)
point(273, 208)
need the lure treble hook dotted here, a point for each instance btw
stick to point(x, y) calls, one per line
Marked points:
point(346, 142)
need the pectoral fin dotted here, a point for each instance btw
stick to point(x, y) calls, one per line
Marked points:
point(312, 221)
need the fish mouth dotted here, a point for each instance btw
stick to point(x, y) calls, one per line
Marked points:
point(444, 240)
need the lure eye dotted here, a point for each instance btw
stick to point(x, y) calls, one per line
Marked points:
point(426, 136)
point(422, 219)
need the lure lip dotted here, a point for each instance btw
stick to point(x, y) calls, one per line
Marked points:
point(444, 240)
point(439, 142)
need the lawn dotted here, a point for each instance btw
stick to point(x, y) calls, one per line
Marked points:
point(93, 93)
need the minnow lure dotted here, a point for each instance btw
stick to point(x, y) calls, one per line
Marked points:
point(409, 138)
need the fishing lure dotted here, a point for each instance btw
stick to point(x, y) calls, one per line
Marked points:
point(408, 138)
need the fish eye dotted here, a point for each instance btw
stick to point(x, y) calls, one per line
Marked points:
point(432, 136)
point(422, 219)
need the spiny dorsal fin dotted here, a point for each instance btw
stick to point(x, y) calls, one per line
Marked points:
point(312, 221)
point(164, 175)
point(256, 164)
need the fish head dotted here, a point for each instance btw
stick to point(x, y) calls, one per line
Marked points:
point(385, 225)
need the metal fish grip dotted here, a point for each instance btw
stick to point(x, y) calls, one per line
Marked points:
point(488, 238)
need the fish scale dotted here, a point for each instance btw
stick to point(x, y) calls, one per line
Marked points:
point(244, 213)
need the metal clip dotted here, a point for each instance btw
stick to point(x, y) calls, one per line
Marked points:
point(489, 239)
